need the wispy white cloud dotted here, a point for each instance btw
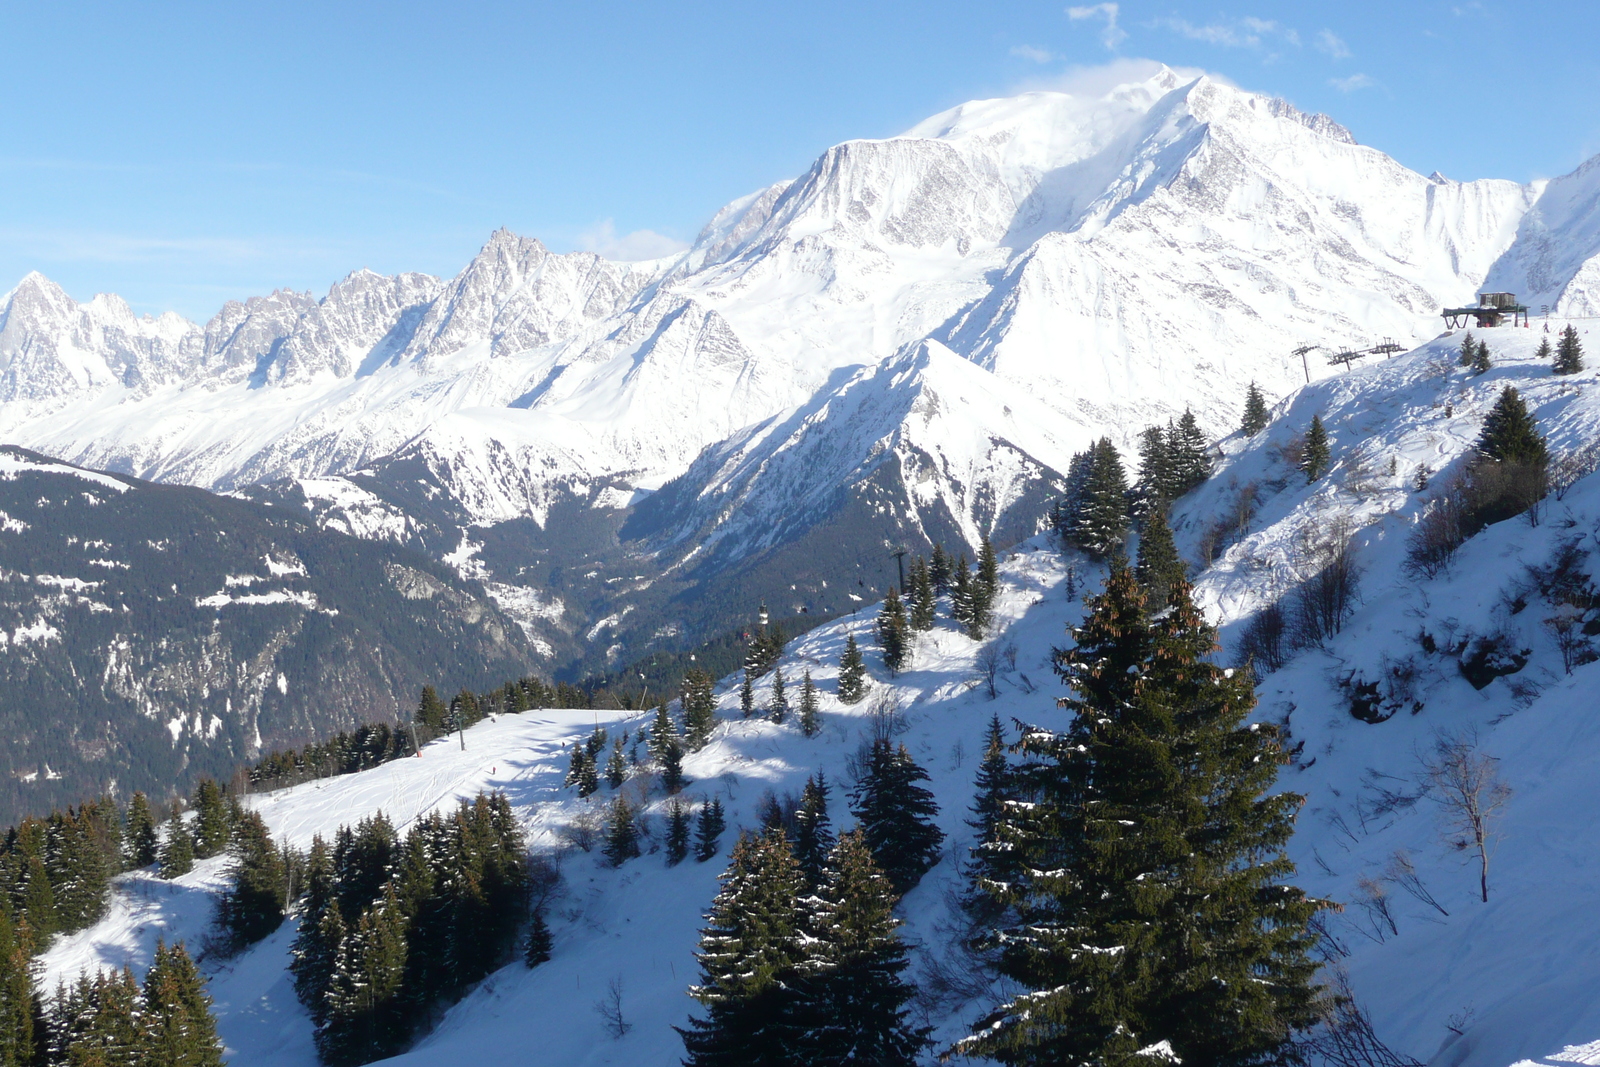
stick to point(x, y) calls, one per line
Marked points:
point(1096, 81)
point(603, 239)
point(1247, 32)
point(1352, 83)
point(1037, 55)
point(1329, 42)
point(1112, 35)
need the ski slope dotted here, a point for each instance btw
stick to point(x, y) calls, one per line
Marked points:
point(1516, 976)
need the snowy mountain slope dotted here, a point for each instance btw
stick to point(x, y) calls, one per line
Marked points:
point(1556, 258)
point(1514, 976)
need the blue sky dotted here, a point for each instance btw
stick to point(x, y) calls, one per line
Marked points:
point(183, 154)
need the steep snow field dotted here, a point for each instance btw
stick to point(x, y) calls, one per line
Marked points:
point(1466, 984)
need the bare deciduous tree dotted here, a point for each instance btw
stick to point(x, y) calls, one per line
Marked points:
point(609, 1008)
point(1467, 786)
point(1263, 642)
point(1325, 600)
point(1403, 873)
point(992, 660)
point(1346, 1037)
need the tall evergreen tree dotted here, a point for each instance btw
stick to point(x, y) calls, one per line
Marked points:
point(253, 906)
point(857, 992)
point(1481, 362)
point(1160, 568)
point(616, 765)
point(622, 832)
point(76, 864)
point(210, 820)
point(852, 673)
point(677, 832)
point(1256, 415)
point(431, 711)
point(939, 571)
point(922, 596)
point(141, 842)
point(778, 702)
point(537, 950)
point(1149, 897)
point(363, 1021)
point(17, 1039)
point(813, 835)
point(699, 709)
point(896, 815)
point(179, 1029)
point(177, 849)
point(748, 955)
point(1101, 522)
point(810, 716)
point(663, 733)
point(1314, 453)
point(1509, 433)
point(992, 861)
point(316, 945)
point(961, 591)
point(985, 585)
point(1187, 446)
point(708, 829)
point(893, 638)
point(1157, 481)
point(672, 779)
point(1469, 350)
point(747, 696)
point(1569, 352)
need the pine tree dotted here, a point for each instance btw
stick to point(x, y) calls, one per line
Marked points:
point(99, 1022)
point(1102, 519)
point(677, 832)
point(622, 832)
point(431, 711)
point(896, 815)
point(179, 1029)
point(1469, 350)
point(537, 950)
point(211, 820)
point(364, 1021)
point(177, 850)
point(810, 717)
point(708, 830)
point(1314, 454)
point(961, 591)
point(596, 744)
point(857, 992)
point(1509, 433)
point(813, 837)
point(852, 673)
point(747, 696)
point(140, 836)
point(253, 906)
point(663, 732)
point(672, 779)
point(939, 571)
point(992, 860)
point(1187, 447)
point(982, 590)
point(922, 596)
point(1148, 892)
point(1160, 567)
point(1157, 484)
point(892, 636)
point(748, 956)
point(75, 863)
point(316, 945)
point(699, 709)
point(616, 765)
point(1256, 415)
point(1480, 360)
point(16, 992)
point(1569, 352)
point(778, 703)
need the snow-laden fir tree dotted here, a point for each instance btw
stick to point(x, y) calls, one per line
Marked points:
point(992, 858)
point(316, 945)
point(813, 830)
point(1509, 433)
point(581, 771)
point(537, 949)
point(747, 696)
point(961, 591)
point(177, 849)
point(699, 709)
point(1469, 350)
point(810, 716)
point(363, 1020)
point(210, 820)
point(852, 673)
point(1314, 452)
point(1481, 363)
point(663, 731)
point(939, 571)
point(893, 635)
point(253, 905)
point(708, 829)
point(896, 815)
point(922, 596)
point(1569, 352)
point(141, 843)
point(677, 831)
point(1149, 898)
point(1256, 415)
point(754, 937)
point(1186, 449)
point(622, 832)
point(1100, 522)
point(857, 1000)
point(616, 765)
point(778, 699)
point(17, 1036)
point(672, 778)
point(179, 1029)
point(982, 588)
point(1156, 485)
point(1160, 568)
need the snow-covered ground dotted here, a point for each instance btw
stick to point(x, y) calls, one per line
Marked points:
point(1515, 976)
